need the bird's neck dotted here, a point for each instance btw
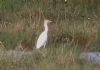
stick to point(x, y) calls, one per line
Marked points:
point(46, 27)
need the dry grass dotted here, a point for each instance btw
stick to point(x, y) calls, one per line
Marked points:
point(61, 58)
point(83, 34)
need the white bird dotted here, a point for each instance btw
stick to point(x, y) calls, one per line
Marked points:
point(43, 36)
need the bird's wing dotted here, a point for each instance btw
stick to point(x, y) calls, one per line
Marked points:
point(41, 40)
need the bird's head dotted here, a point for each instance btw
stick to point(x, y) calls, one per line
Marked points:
point(47, 21)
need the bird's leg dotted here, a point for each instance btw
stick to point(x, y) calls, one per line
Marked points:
point(44, 45)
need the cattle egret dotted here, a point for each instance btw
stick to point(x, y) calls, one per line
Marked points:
point(43, 36)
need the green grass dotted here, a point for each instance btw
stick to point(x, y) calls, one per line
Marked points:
point(12, 10)
point(62, 58)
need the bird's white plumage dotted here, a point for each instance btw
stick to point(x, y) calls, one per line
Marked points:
point(43, 36)
point(42, 39)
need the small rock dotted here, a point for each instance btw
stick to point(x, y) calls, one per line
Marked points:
point(93, 57)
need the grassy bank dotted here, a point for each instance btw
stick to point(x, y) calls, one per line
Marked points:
point(61, 58)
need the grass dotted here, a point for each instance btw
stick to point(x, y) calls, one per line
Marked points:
point(67, 39)
point(61, 58)
point(75, 28)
